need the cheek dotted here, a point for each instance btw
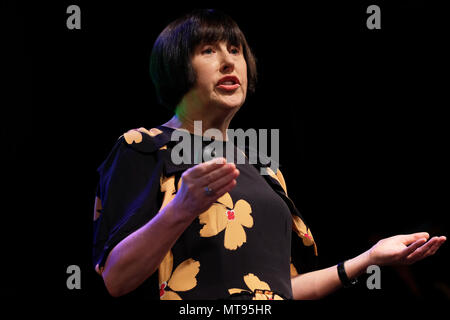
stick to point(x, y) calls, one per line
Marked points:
point(204, 74)
point(241, 65)
point(243, 74)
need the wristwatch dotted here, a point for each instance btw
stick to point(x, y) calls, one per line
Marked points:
point(346, 282)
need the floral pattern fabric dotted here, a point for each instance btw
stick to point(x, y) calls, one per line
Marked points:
point(250, 241)
point(223, 215)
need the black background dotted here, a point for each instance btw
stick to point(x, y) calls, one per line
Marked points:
point(362, 119)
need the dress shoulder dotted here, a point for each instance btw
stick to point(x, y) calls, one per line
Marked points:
point(140, 140)
point(145, 140)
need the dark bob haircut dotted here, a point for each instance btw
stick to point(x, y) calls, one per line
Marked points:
point(170, 62)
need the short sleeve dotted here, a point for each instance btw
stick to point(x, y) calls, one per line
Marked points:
point(127, 196)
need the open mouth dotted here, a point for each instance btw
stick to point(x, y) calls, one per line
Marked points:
point(228, 83)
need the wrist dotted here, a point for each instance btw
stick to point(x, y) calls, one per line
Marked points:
point(358, 265)
point(366, 259)
point(371, 257)
point(178, 214)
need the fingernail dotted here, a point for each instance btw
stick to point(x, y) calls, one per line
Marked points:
point(220, 160)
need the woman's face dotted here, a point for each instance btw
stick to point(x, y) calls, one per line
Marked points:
point(221, 75)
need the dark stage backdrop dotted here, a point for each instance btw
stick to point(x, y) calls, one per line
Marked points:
point(361, 113)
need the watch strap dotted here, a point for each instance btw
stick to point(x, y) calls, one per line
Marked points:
point(346, 282)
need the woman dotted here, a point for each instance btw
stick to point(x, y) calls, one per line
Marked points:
point(214, 230)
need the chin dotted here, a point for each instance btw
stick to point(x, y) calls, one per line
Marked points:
point(232, 102)
point(230, 106)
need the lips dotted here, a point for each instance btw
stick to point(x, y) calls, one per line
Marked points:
point(229, 83)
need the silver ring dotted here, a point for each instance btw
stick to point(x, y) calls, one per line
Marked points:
point(208, 191)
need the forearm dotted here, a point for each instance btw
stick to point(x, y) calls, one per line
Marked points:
point(320, 283)
point(138, 256)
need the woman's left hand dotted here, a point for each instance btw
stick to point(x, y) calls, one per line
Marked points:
point(404, 249)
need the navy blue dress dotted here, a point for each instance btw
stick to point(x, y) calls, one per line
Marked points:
point(248, 244)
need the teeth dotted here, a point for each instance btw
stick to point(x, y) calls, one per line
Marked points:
point(228, 82)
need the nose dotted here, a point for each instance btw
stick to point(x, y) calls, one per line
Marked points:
point(227, 63)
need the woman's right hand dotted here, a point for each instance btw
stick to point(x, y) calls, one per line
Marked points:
point(217, 174)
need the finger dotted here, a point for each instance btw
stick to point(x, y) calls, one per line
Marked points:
point(211, 177)
point(410, 238)
point(224, 189)
point(436, 246)
point(412, 247)
point(224, 180)
point(433, 249)
point(206, 167)
point(421, 252)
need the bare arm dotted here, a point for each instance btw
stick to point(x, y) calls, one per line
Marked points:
point(401, 249)
point(320, 283)
point(138, 256)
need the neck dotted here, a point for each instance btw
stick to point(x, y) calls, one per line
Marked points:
point(218, 119)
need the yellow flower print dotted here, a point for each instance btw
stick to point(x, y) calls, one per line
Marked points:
point(260, 288)
point(278, 177)
point(303, 232)
point(223, 215)
point(167, 186)
point(297, 223)
point(135, 135)
point(182, 279)
point(294, 271)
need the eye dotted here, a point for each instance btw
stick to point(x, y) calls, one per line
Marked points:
point(207, 51)
point(235, 50)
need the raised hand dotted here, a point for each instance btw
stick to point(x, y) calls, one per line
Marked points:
point(217, 174)
point(404, 249)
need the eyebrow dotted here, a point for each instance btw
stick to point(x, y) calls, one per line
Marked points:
point(215, 44)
